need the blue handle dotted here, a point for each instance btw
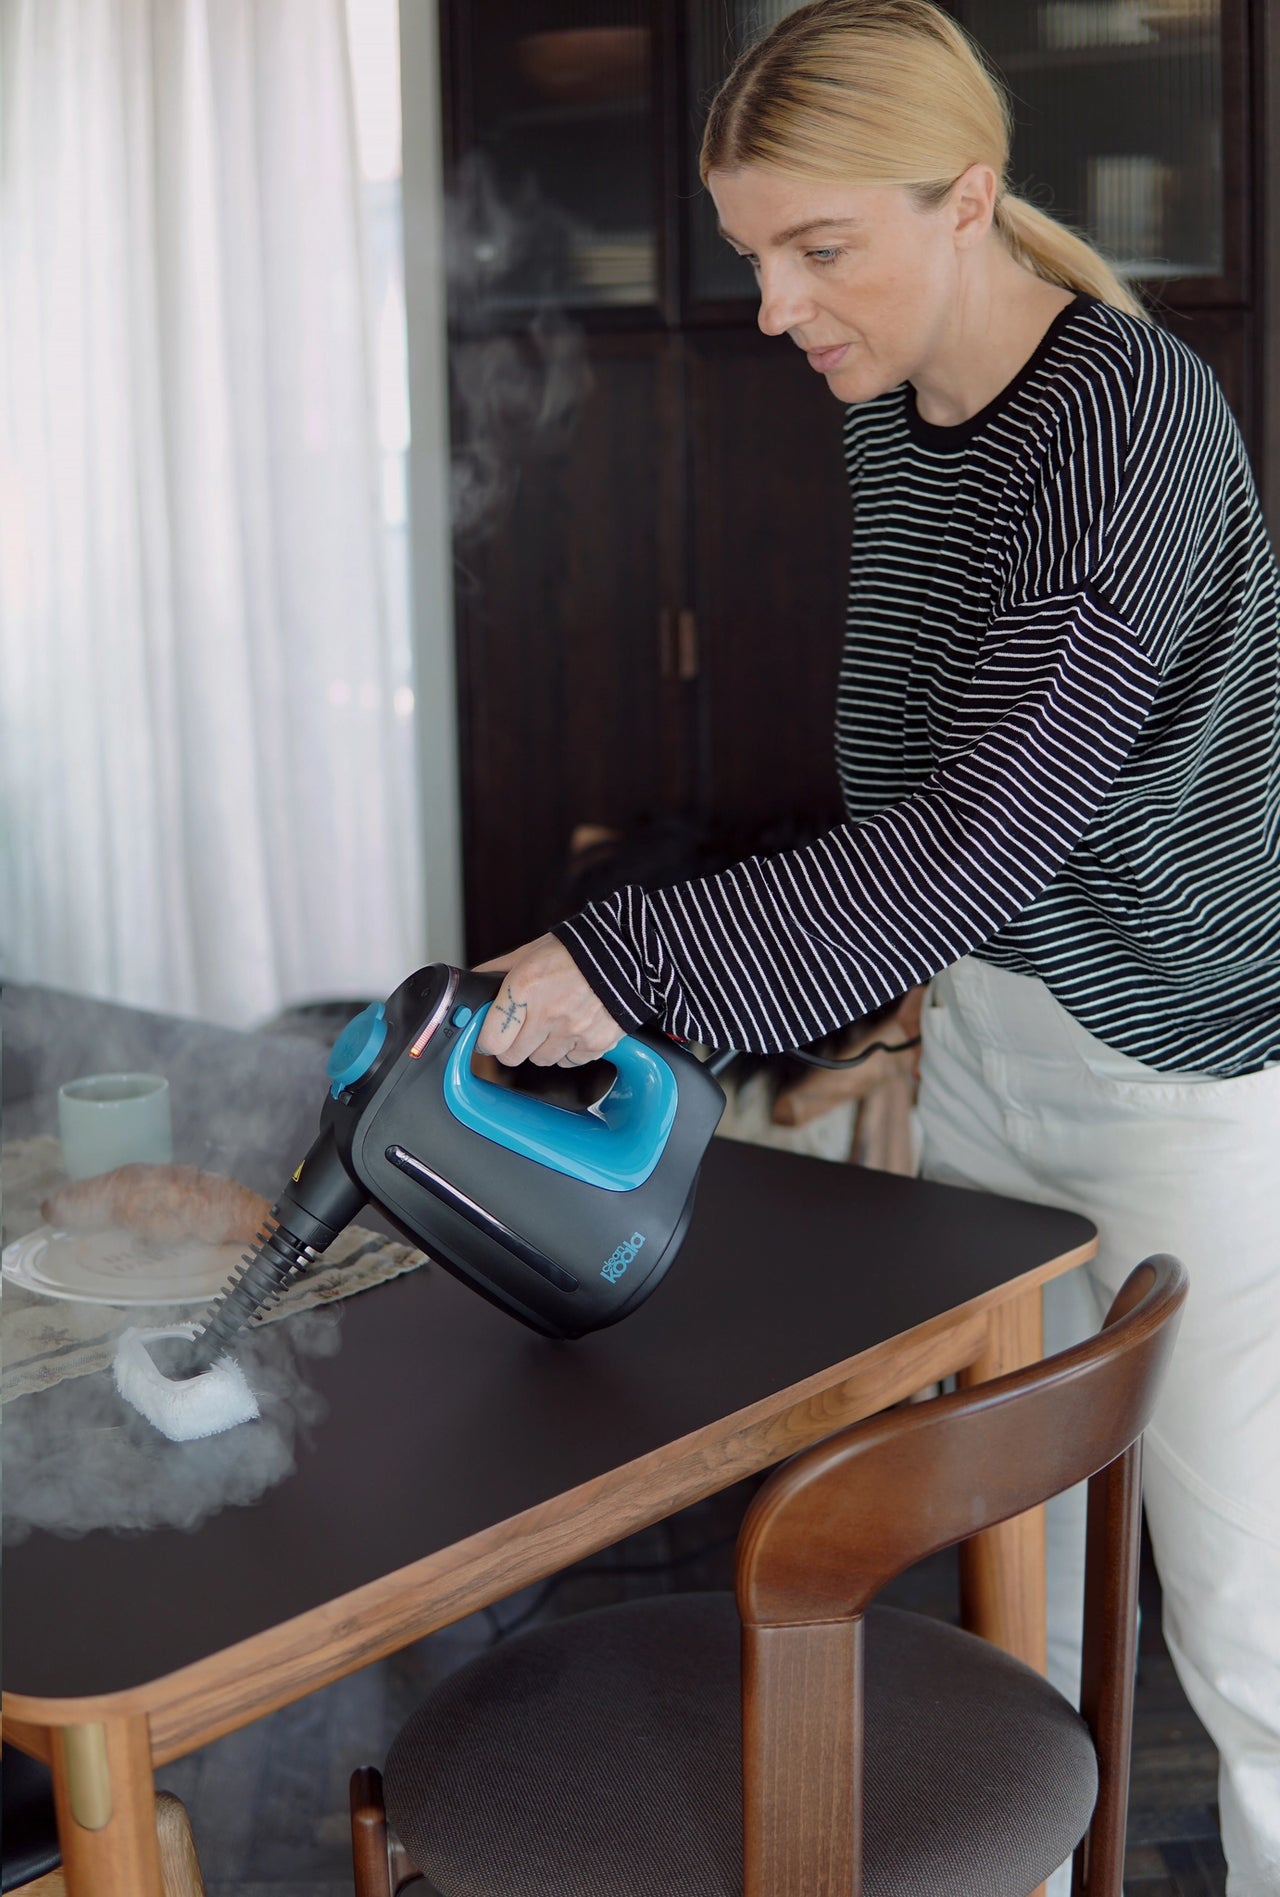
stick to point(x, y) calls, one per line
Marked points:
point(615, 1144)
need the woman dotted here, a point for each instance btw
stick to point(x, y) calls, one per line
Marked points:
point(1058, 731)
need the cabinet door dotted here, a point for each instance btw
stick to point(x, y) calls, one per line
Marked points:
point(559, 598)
point(771, 530)
point(1132, 123)
point(554, 134)
point(716, 284)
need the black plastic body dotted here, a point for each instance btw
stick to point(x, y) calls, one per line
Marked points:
point(557, 1253)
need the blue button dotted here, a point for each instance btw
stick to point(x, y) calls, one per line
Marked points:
point(460, 1017)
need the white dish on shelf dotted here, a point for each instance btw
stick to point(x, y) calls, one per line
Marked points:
point(617, 269)
point(1070, 25)
point(117, 1267)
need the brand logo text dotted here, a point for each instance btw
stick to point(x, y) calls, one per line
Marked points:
point(617, 1261)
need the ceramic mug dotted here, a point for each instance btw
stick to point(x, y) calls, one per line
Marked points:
point(110, 1120)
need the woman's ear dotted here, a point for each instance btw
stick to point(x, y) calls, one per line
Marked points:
point(972, 203)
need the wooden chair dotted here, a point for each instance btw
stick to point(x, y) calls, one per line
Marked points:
point(806, 1743)
point(31, 1859)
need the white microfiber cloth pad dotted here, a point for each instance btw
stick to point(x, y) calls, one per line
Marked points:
point(205, 1405)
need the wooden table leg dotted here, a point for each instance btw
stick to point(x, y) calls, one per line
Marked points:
point(1002, 1572)
point(105, 1797)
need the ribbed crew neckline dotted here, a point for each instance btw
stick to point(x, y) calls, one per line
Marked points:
point(959, 434)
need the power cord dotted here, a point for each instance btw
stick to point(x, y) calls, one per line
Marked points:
point(855, 1060)
point(725, 1056)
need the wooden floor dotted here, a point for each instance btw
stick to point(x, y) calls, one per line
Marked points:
point(269, 1804)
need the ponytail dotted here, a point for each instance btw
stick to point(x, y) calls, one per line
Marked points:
point(1053, 251)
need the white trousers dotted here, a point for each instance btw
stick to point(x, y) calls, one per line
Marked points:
point(1018, 1098)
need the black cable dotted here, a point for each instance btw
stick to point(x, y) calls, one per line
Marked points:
point(854, 1060)
point(723, 1057)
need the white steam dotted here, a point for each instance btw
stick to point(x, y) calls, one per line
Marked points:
point(77, 1458)
point(515, 394)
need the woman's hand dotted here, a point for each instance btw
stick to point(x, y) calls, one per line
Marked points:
point(545, 1012)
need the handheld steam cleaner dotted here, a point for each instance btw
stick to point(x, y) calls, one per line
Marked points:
point(566, 1219)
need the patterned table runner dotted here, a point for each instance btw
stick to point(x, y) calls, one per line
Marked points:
point(43, 1341)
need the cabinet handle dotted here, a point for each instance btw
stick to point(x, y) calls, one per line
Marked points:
point(687, 644)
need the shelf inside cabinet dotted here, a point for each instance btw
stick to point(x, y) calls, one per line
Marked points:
point(605, 112)
point(1085, 60)
point(1149, 271)
point(574, 301)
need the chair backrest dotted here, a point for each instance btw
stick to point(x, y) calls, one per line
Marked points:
point(834, 1525)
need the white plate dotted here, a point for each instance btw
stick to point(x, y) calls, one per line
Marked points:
point(118, 1267)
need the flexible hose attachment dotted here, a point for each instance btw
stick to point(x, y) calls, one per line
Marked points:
point(320, 1198)
point(260, 1277)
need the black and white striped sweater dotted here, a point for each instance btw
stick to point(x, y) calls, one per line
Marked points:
point(1058, 733)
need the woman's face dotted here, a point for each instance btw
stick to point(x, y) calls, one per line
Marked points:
point(858, 278)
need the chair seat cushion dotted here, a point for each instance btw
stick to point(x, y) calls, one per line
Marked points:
point(602, 1755)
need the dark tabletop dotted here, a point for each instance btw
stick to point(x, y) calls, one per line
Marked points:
point(445, 1417)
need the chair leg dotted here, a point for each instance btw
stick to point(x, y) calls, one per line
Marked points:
point(179, 1865)
point(369, 1855)
point(382, 1865)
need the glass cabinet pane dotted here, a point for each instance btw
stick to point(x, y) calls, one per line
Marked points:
point(1119, 122)
point(1118, 113)
point(718, 31)
point(556, 202)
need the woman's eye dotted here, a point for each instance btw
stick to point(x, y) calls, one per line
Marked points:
point(823, 256)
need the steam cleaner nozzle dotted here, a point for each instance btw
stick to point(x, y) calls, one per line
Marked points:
point(320, 1199)
point(260, 1277)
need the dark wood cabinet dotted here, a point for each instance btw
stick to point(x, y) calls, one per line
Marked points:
point(566, 714)
point(769, 533)
point(650, 609)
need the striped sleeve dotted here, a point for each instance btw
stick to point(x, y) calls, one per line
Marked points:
point(779, 950)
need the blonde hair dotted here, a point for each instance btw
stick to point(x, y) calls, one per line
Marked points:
point(890, 92)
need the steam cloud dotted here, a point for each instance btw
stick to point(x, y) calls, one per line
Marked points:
point(511, 393)
point(78, 1458)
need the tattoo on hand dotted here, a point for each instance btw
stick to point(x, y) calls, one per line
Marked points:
point(513, 1010)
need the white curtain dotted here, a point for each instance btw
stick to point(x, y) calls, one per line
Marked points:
point(206, 765)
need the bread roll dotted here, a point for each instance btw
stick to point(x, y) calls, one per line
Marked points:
point(160, 1202)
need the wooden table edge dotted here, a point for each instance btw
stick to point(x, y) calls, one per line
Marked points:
point(218, 1694)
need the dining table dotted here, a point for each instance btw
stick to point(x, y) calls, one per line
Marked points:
point(451, 1456)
